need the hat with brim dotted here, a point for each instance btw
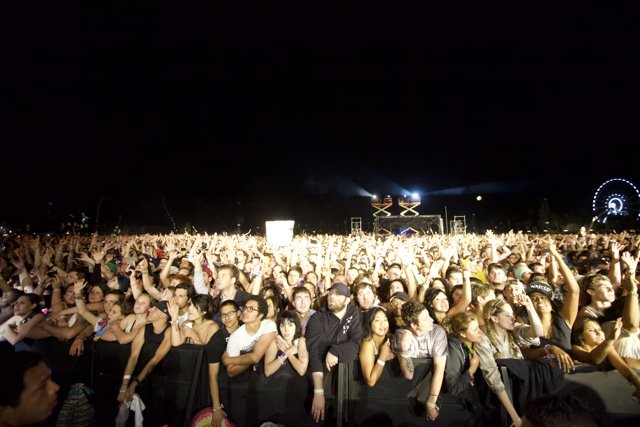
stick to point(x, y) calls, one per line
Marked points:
point(522, 270)
point(162, 306)
point(541, 287)
point(399, 295)
point(341, 288)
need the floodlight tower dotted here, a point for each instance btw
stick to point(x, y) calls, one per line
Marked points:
point(409, 203)
point(381, 206)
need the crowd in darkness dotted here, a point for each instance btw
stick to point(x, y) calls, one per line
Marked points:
point(463, 303)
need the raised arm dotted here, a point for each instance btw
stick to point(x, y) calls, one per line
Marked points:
point(631, 311)
point(465, 300)
point(82, 309)
point(569, 310)
point(177, 336)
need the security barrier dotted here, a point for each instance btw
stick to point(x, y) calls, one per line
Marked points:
point(178, 388)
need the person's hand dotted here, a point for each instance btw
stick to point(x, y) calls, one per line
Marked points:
point(631, 262)
point(614, 333)
point(517, 422)
point(77, 347)
point(173, 308)
point(128, 395)
point(552, 247)
point(317, 407)
point(98, 256)
point(282, 346)
point(224, 358)
point(432, 413)
point(615, 250)
point(79, 285)
point(217, 417)
point(524, 300)
point(474, 362)
point(386, 354)
point(331, 360)
point(564, 360)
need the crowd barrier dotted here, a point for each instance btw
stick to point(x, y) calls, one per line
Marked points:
point(178, 389)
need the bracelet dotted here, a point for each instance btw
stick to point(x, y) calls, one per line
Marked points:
point(432, 405)
point(126, 377)
point(380, 362)
point(282, 353)
point(123, 389)
point(218, 408)
point(433, 395)
point(633, 294)
point(318, 391)
point(56, 290)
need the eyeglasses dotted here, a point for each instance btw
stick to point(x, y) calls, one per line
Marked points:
point(227, 315)
point(249, 309)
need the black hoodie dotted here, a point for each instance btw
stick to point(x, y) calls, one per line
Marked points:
point(327, 333)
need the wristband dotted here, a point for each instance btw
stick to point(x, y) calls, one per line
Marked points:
point(218, 408)
point(126, 377)
point(633, 294)
point(282, 353)
point(318, 391)
point(56, 290)
point(123, 389)
point(549, 355)
point(380, 362)
point(432, 405)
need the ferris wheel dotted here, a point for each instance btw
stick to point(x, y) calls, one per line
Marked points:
point(616, 197)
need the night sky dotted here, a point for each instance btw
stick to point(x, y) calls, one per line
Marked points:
point(239, 116)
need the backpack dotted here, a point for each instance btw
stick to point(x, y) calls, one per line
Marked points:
point(77, 411)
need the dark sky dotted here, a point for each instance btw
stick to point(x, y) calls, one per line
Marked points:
point(240, 116)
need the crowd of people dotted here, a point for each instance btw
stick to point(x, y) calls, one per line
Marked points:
point(464, 304)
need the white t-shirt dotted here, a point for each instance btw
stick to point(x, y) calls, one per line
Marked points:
point(241, 342)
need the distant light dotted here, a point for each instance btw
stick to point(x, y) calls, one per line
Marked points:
point(374, 197)
point(479, 198)
point(415, 195)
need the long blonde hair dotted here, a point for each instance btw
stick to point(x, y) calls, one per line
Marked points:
point(494, 308)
